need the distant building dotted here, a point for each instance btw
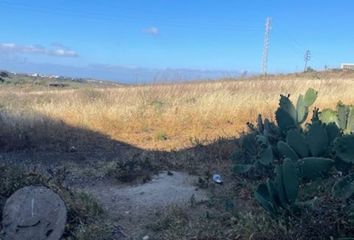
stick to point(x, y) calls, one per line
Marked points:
point(347, 66)
point(54, 76)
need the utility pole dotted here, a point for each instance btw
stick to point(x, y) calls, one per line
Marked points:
point(268, 26)
point(307, 58)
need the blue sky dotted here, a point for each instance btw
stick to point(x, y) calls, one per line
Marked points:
point(176, 34)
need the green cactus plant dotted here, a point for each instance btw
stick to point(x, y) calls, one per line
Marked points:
point(266, 156)
point(343, 117)
point(281, 193)
point(317, 139)
point(242, 168)
point(262, 196)
point(249, 145)
point(260, 125)
point(284, 120)
point(279, 190)
point(329, 116)
point(297, 156)
point(297, 141)
point(350, 122)
point(286, 151)
point(310, 97)
point(289, 117)
point(301, 110)
point(312, 168)
point(314, 142)
point(332, 132)
point(255, 150)
point(303, 104)
point(344, 148)
point(290, 180)
point(344, 188)
point(342, 113)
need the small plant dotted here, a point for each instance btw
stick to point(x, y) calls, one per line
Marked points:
point(161, 136)
point(131, 170)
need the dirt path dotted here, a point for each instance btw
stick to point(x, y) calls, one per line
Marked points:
point(132, 207)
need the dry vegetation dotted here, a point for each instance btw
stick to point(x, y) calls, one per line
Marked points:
point(165, 117)
point(169, 116)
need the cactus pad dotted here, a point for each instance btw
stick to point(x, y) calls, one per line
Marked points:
point(317, 139)
point(297, 142)
point(344, 148)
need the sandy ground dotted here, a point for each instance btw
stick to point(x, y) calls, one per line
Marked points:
point(135, 206)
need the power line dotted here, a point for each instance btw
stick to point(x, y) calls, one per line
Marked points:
point(240, 25)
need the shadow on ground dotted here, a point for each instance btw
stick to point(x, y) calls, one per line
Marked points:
point(39, 140)
point(109, 169)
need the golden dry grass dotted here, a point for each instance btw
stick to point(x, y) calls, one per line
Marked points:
point(171, 116)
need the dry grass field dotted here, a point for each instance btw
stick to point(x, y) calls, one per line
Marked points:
point(168, 116)
point(101, 138)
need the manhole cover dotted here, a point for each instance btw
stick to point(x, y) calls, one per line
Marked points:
point(34, 213)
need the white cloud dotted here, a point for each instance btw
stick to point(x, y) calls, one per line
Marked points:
point(63, 53)
point(8, 45)
point(36, 49)
point(152, 31)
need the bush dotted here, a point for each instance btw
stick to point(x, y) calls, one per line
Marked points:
point(4, 74)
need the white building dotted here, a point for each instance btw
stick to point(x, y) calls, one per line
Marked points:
point(347, 66)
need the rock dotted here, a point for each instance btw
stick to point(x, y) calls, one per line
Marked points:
point(34, 212)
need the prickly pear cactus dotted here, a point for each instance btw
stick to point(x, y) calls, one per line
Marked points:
point(344, 148)
point(286, 151)
point(260, 124)
point(263, 197)
point(350, 122)
point(344, 188)
point(296, 140)
point(242, 168)
point(343, 117)
point(286, 114)
point(329, 116)
point(310, 97)
point(332, 132)
point(288, 117)
point(290, 180)
point(312, 168)
point(317, 139)
point(281, 193)
point(342, 112)
point(303, 104)
point(301, 110)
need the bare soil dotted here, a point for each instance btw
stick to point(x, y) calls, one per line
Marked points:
point(135, 206)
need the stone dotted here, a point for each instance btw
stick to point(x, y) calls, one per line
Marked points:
point(34, 212)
